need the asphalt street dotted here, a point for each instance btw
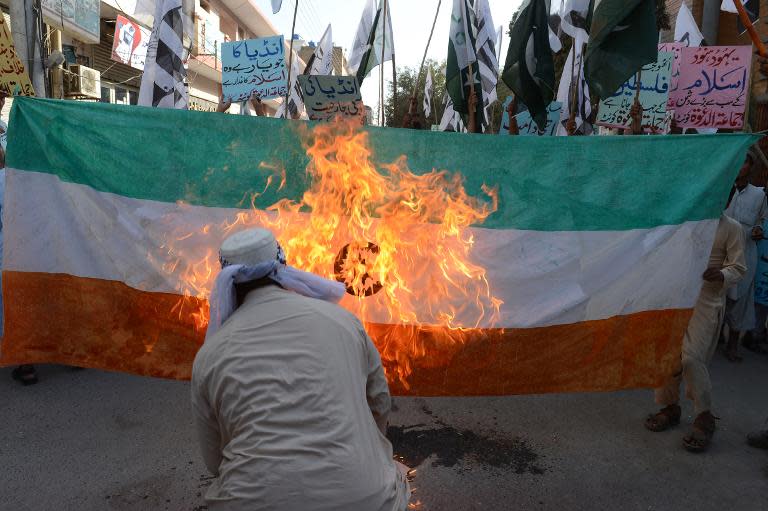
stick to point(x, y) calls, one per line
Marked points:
point(94, 440)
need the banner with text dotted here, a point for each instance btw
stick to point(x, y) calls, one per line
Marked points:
point(13, 77)
point(655, 79)
point(713, 87)
point(254, 67)
point(327, 97)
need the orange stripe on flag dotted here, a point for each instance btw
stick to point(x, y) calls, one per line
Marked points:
point(58, 318)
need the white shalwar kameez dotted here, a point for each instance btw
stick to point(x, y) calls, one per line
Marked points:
point(748, 207)
point(703, 330)
point(291, 405)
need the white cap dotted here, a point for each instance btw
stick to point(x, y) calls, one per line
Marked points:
point(250, 247)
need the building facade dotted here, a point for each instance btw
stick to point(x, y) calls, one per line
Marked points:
point(213, 22)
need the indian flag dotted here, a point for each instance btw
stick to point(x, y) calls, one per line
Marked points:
point(489, 265)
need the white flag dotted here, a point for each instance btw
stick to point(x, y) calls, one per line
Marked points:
point(360, 44)
point(451, 120)
point(686, 30)
point(163, 83)
point(428, 93)
point(295, 101)
point(487, 63)
point(565, 91)
point(371, 55)
point(323, 57)
point(459, 34)
point(276, 4)
point(728, 6)
point(573, 18)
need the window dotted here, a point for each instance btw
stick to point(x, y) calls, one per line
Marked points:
point(118, 94)
point(106, 94)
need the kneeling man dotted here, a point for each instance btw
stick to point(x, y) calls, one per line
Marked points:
point(288, 392)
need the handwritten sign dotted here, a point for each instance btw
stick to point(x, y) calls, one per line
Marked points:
point(130, 43)
point(713, 87)
point(674, 78)
point(525, 124)
point(328, 97)
point(13, 78)
point(655, 79)
point(254, 66)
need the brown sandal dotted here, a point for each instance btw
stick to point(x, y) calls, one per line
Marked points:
point(702, 431)
point(666, 418)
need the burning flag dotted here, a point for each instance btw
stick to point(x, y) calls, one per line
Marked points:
point(473, 274)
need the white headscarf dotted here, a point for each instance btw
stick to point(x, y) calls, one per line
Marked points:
point(223, 299)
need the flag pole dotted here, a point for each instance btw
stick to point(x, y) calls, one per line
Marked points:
point(290, 59)
point(381, 62)
point(750, 28)
point(426, 49)
point(637, 121)
point(571, 125)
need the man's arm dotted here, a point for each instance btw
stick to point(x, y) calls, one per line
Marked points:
point(735, 265)
point(207, 427)
point(376, 388)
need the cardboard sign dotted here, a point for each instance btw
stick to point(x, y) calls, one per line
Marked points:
point(130, 43)
point(525, 124)
point(655, 81)
point(254, 66)
point(713, 88)
point(13, 77)
point(328, 97)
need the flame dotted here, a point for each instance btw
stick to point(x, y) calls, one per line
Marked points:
point(399, 241)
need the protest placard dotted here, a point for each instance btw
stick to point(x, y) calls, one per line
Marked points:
point(130, 43)
point(13, 78)
point(655, 79)
point(327, 97)
point(674, 77)
point(254, 66)
point(525, 124)
point(713, 87)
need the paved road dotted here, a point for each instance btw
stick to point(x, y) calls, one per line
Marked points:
point(92, 440)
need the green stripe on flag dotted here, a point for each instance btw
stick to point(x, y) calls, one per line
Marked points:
point(545, 183)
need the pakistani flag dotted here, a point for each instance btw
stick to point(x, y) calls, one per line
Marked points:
point(461, 56)
point(373, 38)
point(623, 38)
point(529, 70)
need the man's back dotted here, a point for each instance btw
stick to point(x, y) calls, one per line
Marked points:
point(280, 398)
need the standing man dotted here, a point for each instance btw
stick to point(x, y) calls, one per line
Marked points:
point(725, 268)
point(288, 392)
point(748, 207)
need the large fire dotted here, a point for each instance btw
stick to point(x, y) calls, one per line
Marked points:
point(400, 242)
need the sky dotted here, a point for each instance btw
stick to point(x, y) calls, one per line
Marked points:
point(411, 23)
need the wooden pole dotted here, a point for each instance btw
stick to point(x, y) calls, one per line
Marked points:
point(752, 32)
point(290, 59)
point(637, 121)
point(381, 62)
point(571, 124)
point(426, 49)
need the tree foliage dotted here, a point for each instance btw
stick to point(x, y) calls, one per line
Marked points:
point(407, 82)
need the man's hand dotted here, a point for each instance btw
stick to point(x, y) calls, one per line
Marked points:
point(473, 102)
point(713, 275)
point(757, 233)
point(224, 104)
point(258, 107)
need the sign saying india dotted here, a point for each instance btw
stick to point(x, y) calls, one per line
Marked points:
point(254, 67)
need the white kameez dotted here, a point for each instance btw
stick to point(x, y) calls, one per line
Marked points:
point(291, 405)
point(748, 207)
point(700, 339)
